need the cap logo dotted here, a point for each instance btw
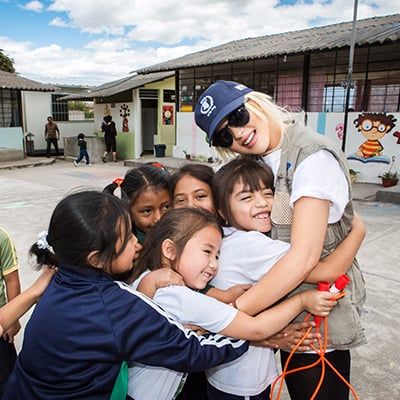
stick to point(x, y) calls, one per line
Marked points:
point(240, 87)
point(207, 105)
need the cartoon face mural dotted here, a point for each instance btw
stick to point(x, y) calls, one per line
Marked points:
point(373, 126)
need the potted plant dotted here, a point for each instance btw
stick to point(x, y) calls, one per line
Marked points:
point(353, 175)
point(389, 179)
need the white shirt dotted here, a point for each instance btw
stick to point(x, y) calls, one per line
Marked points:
point(245, 257)
point(187, 307)
point(319, 176)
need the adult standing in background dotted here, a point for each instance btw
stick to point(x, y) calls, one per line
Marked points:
point(51, 134)
point(110, 133)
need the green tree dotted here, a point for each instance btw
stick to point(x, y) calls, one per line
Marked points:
point(6, 63)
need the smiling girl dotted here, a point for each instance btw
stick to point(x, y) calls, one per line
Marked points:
point(188, 241)
point(313, 209)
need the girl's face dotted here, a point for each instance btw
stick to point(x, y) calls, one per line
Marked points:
point(198, 262)
point(191, 192)
point(258, 136)
point(124, 262)
point(149, 207)
point(251, 210)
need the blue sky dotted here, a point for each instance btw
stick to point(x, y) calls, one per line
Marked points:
point(96, 41)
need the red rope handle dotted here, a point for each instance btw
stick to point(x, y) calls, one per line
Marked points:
point(321, 351)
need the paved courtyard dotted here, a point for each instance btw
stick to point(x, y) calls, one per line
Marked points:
point(29, 195)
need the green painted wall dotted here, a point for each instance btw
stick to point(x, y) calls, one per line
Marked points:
point(125, 144)
point(166, 133)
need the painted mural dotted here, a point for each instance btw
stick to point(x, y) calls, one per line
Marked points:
point(124, 112)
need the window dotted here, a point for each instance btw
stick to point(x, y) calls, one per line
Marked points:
point(73, 110)
point(9, 108)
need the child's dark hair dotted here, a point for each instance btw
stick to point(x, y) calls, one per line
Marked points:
point(81, 223)
point(201, 172)
point(137, 180)
point(81, 136)
point(249, 171)
point(178, 225)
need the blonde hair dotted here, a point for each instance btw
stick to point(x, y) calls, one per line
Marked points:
point(261, 105)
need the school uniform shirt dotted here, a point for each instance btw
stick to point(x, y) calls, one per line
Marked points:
point(245, 257)
point(86, 324)
point(330, 184)
point(188, 307)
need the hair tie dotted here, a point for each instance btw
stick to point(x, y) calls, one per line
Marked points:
point(118, 181)
point(42, 242)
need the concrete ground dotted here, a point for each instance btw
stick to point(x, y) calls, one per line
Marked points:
point(30, 194)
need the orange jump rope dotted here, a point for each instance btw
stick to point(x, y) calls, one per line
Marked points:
point(337, 289)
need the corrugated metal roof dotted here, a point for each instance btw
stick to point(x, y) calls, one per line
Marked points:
point(369, 31)
point(119, 86)
point(13, 81)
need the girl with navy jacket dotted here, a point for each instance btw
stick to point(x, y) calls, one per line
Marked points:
point(88, 323)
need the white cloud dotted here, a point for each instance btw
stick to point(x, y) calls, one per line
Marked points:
point(116, 28)
point(34, 5)
point(59, 22)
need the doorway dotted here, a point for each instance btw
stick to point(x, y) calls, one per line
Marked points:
point(149, 124)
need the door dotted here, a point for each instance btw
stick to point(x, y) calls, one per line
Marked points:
point(149, 124)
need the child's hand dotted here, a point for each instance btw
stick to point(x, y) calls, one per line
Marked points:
point(41, 283)
point(158, 279)
point(8, 336)
point(197, 329)
point(235, 292)
point(317, 302)
point(288, 337)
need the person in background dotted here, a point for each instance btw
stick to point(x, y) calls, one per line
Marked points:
point(110, 134)
point(82, 150)
point(52, 135)
point(9, 289)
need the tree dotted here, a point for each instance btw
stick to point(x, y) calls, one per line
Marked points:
point(6, 63)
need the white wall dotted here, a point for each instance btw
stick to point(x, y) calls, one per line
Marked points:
point(192, 139)
point(36, 108)
point(331, 125)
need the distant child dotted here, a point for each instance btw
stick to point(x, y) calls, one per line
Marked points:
point(188, 241)
point(9, 289)
point(243, 193)
point(146, 189)
point(82, 150)
point(87, 324)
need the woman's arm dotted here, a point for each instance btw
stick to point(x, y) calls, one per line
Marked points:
point(339, 261)
point(310, 221)
point(276, 318)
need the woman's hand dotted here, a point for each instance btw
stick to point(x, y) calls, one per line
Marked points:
point(290, 336)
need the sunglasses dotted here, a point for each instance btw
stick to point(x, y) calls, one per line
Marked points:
point(237, 118)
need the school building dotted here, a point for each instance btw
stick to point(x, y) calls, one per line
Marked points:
point(24, 106)
point(142, 107)
point(306, 71)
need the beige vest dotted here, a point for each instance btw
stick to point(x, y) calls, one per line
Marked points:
point(345, 330)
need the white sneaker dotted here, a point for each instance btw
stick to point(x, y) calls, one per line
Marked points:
point(88, 165)
point(75, 163)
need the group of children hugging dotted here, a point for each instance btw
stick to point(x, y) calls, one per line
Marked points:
point(182, 286)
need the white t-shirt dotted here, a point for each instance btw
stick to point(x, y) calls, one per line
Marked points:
point(245, 257)
point(187, 307)
point(319, 176)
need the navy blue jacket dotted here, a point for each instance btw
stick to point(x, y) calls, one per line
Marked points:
point(86, 324)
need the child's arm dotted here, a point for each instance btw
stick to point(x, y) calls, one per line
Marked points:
point(276, 318)
point(13, 289)
point(340, 260)
point(18, 306)
point(227, 296)
point(157, 279)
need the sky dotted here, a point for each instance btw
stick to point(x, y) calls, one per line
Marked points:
point(90, 42)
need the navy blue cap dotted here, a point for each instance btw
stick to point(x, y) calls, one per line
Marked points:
point(216, 103)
